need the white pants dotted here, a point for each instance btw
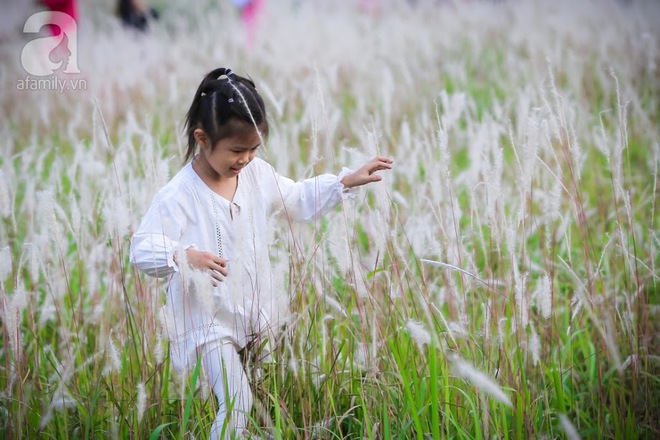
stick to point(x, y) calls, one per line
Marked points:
point(224, 370)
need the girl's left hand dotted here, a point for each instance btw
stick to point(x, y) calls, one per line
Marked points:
point(365, 174)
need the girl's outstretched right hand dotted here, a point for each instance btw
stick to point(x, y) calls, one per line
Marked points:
point(208, 262)
point(366, 173)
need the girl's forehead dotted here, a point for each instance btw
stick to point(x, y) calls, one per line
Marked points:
point(244, 130)
point(247, 136)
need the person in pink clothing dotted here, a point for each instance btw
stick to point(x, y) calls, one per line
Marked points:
point(250, 11)
point(69, 7)
point(369, 7)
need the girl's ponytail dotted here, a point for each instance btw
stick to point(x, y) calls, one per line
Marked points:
point(193, 116)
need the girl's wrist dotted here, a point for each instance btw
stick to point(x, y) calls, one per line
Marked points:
point(346, 178)
point(346, 182)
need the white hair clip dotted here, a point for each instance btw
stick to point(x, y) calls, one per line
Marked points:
point(230, 100)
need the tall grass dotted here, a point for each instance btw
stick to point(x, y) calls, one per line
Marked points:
point(501, 282)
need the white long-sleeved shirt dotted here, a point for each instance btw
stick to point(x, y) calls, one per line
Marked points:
point(187, 213)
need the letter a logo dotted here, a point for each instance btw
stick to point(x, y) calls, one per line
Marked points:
point(35, 56)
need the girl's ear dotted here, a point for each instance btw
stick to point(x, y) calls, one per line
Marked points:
point(201, 137)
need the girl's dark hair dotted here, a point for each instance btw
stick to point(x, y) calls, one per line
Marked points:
point(222, 98)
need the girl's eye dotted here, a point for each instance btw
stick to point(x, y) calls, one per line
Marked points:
point(243, 151)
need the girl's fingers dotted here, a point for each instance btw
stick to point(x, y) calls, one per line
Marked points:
point(216, 277)
point(220, 265)
point(383, 159)
point(381, 163)
point(379, 167)
point(222, 270)
point(218, 270)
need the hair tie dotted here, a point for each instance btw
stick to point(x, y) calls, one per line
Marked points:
point(227, 74)
point(230, 100)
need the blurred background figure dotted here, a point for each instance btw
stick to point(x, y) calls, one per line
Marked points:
point(132, 13)
point(369, 7)
point(250, 10)
point(67, 6)
point(136, 14)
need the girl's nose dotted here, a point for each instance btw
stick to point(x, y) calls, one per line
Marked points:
point(244, 158)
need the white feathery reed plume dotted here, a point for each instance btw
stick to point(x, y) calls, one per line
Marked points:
point(46, 206)
point(5, 264)
point(117, 216)
point(159, 350)
point(293, 363)
point(418, 333)
point(568, 427)
point(61, 399)
point(552, 203)
point(325, 334)
point(360, 359)
point(522, 304)
point(656, 161)
point(458, 330)
point(141, 401)
point(480, 380)
point(443, 145)
point(617, 168)
point(5, 196)
point(543, 296)
point(334, 304)
point(374, 222)
point(486, 310)
point(361, 287)
point(528, 164)
point(338, 243)
point(534, 346)
point(453, 108)
point(621, 141)
point(76, 219)
point(494, 190)
point(33, 264)
point(318, 89)
point(11, 311)
point(374, 346)
point(112, 353)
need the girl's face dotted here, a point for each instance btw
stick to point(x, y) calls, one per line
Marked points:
point(230, 154)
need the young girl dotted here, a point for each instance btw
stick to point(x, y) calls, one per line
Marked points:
point(208, 232)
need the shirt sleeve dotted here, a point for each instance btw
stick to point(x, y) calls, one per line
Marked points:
point(157, 239)
point(311, 198)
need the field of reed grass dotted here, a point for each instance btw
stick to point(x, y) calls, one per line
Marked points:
point(501, 282)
